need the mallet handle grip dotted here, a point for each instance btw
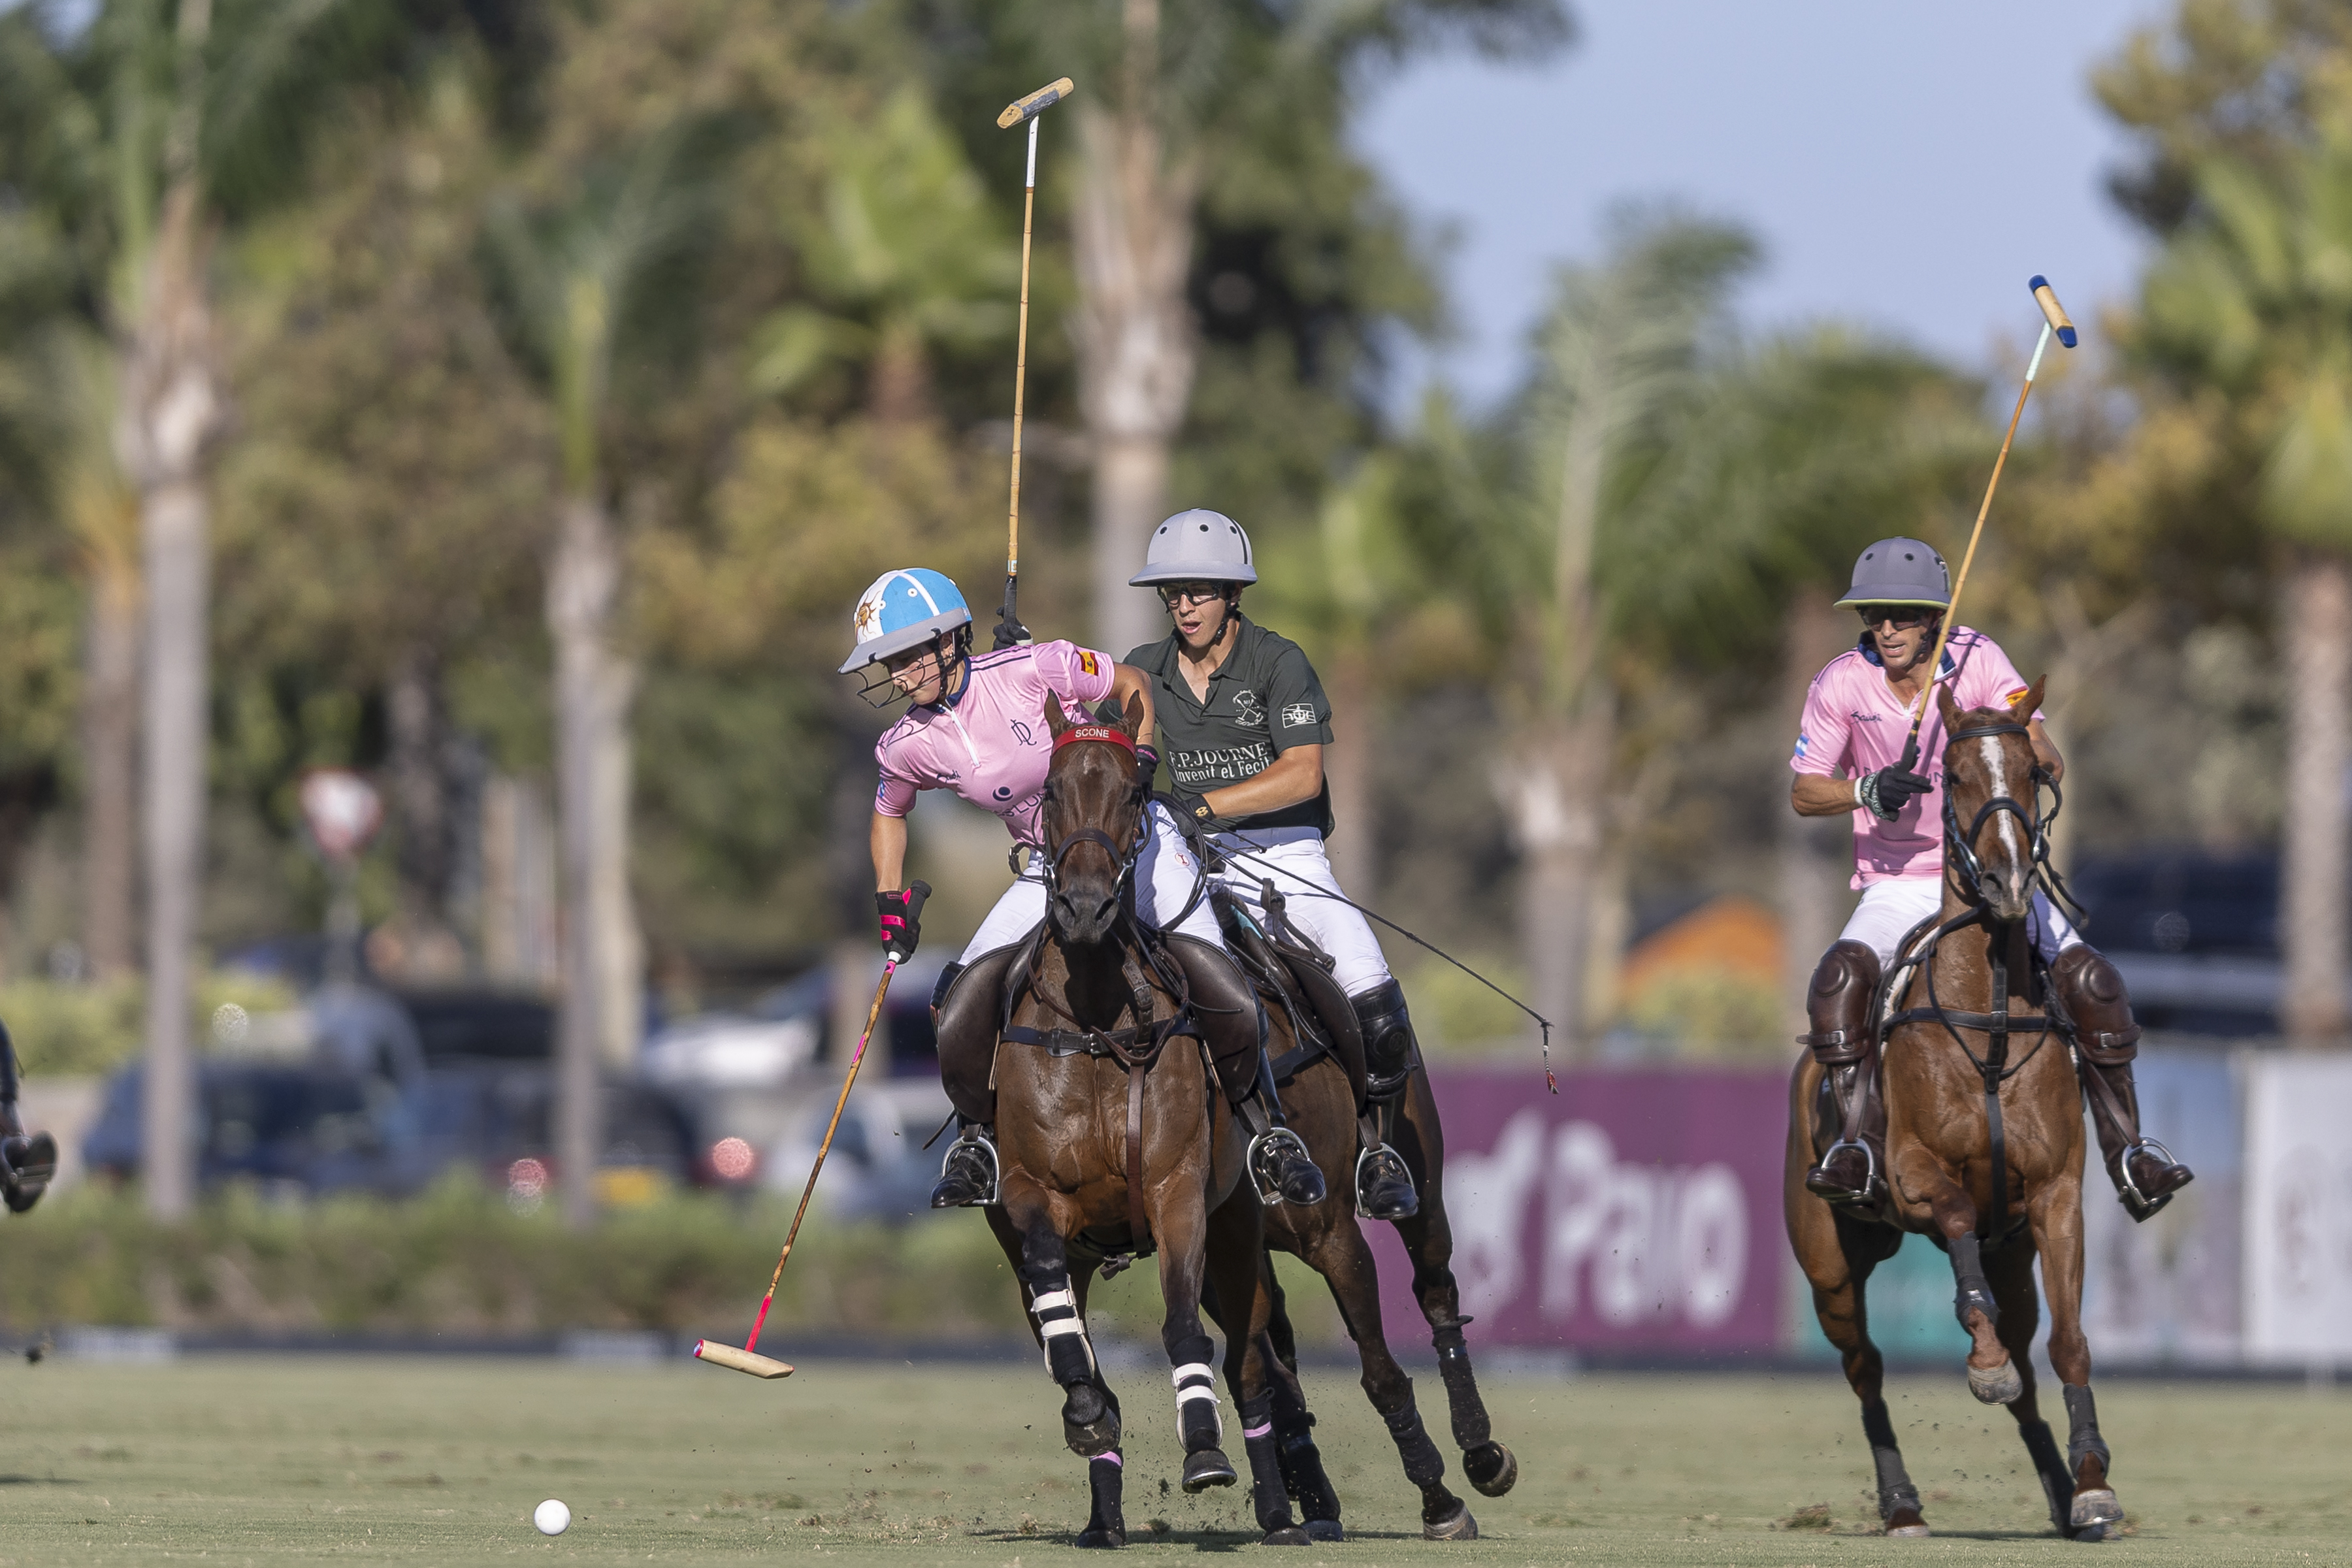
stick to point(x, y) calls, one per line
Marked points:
point(1045, 97)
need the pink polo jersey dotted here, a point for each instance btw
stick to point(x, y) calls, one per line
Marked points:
point(989, 742)
point(1854, 725)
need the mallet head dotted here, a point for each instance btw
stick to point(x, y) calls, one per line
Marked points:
point(2051, 312)
point(1028, 108)
point(717, 1353)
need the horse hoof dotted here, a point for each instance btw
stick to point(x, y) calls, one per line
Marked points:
point(1099, 1538)
point(1089, 1435)
point(1455, 1526)
point(1999, 1385)
point(1493, 1468)
point(1207, 1468)
point(1325, 1529)
point(1908, 1532)
point(2095, 1509)
point(1288, 1535)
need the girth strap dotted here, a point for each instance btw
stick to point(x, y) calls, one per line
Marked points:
point(1996, 1057)
point(1138, 1231)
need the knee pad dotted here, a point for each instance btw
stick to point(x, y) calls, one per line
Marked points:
point(1391, 1052)
point(2092, 992)
point(1838, 1003)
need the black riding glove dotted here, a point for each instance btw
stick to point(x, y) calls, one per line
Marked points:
point(901, 929)
point(1193, 811)
point(1888, 791)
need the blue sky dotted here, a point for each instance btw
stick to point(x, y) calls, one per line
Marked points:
point(1907, 165)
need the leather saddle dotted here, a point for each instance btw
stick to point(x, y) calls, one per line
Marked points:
point(1290, 973)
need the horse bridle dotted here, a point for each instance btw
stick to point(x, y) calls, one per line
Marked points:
point(1050, 863)
point(1962, 847)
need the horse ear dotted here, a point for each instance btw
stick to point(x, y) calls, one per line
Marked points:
point(1947, 708)
point(2024, 704)
point(1056, 719)
point(1132, 721)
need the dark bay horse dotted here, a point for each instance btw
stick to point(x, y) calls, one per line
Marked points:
point(1984, 1137)
point(1320, 1099)
point(1113, 1133)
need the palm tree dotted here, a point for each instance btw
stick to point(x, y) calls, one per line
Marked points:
point(2252, 299)
point(1619, 353)
point(144, 128)
point(575, 276)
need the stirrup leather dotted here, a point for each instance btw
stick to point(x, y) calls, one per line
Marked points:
point(991, 1193)
point(1840, 1196)
point(1263, 1160)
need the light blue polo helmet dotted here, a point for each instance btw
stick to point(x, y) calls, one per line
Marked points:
point(904, 609)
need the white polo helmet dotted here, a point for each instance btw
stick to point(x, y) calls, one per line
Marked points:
point(1197, 546)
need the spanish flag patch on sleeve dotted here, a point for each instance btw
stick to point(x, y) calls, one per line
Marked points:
point(2011, 700)
point(1087, 662)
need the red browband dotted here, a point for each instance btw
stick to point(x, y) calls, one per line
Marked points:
point(1111, 732)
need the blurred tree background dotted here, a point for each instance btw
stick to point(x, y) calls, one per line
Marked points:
point(566, 369)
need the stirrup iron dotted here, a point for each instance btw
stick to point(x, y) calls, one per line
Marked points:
point(2138, 1203)
point(1846, 1198)
point(993, 1192)
point(1377, 1158)
point(1265, 1167)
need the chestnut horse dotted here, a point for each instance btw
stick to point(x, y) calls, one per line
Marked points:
point(1113, 1134)
point(1318, 1099)
point(1984, 1136)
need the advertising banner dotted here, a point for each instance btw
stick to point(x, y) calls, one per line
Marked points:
point(2299, 1176)
point(1634, 1211)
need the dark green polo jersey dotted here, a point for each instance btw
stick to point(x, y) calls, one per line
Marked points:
point(1263, 700)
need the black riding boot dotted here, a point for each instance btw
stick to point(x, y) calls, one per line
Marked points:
point(1838, 1005)
point(2108, 1040)
point(1384, 1187)
point(1279, 1166)
point(29, 1162)
point(967, 1174)
point(1232, 1025)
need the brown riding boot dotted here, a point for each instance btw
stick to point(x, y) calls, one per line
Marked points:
point(1837, 1006)
point(2106, 1039)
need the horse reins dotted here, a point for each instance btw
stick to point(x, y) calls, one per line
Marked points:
point(1993, 1068)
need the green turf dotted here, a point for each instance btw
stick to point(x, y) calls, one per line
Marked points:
point(441, 1461)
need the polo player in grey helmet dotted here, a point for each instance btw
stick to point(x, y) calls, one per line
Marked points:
point(1851, 760)
point(1242, 723)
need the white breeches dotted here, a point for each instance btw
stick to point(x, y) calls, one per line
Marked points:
point(1890, 909)
point(1294, 860)
point(1165, 875)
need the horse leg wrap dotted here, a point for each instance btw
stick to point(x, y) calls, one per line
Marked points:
point(1423, 1466)
point(1266, 1488)
point(1975, 1291)
point(1106, 1481)
point(1196, 1395)
point(1069, 1354)
point(2082, 1438)
point(1471, 1425)
point(1896, 1491)
point(2057, 1481)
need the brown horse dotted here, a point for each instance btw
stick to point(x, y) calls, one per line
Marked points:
point(1113, 1134)
point(1984, 1137)
point(1320, 1097)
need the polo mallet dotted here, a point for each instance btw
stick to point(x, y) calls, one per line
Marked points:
point(2053, 320)
point(1010, 632)
point(748, 1359)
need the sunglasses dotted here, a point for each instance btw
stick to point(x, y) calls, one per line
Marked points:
point(1191, 593)
point(1900, 616)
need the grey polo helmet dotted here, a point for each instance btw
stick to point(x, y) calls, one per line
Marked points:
point(1900, 572)
point(1196, 546)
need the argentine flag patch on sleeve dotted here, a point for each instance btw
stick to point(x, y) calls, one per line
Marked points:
point(1803, 741)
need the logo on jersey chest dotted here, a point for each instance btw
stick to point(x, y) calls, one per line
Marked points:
point(1248, 712)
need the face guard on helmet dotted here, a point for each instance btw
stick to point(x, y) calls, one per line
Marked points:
point(1900, 570)
point(905, 612)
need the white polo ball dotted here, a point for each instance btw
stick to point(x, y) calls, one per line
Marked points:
point(551, 1517)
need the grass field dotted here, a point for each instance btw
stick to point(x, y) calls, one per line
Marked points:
point(236, 1459)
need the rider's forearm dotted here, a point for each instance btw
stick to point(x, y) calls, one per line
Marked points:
point(1296, 777)
point(1126, 682)
point(1817, 794)
point(887, 841)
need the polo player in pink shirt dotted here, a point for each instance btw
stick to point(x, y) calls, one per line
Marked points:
point(1851, 759)
point(976, 726)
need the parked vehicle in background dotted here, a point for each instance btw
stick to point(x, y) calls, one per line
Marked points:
point(2194, 934)
point(770, 1074)
point(383, 1091)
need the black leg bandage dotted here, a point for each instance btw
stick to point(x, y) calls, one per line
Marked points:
point(1974, 1292)
point(1422, 1463)
point(2083, 1438)
point(1896, 1491)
